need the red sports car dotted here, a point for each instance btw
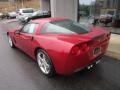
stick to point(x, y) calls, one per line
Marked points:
point(60, 45)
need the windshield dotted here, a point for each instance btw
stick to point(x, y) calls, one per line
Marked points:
point(65, 27)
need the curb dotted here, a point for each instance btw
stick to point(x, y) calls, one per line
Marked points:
point(11, 21)
point(8, 21)
point(113, 54)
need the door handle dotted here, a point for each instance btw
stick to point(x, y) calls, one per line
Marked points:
point(32, 38)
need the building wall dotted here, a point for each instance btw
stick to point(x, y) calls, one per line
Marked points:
point(6, 6)
point(110, 7)
point(96, 7)
point(10, 5)
point(3, 0)
point(106, 7)
point(26, 4)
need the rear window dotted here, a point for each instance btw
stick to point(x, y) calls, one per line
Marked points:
point(64, 27)
point(28, 11)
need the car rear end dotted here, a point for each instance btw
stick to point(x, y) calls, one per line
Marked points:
point(86, 45)
point(23, 13)
point(87, 54)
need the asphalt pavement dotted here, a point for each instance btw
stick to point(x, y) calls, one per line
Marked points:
point(19, 72)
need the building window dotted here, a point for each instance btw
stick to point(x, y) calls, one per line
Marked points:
point(108, 3)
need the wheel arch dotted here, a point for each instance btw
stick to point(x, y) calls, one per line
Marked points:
point(35, 53)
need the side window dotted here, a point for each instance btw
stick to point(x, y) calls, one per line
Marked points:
point(30, 28)
point(44, 29)
point(26, 28)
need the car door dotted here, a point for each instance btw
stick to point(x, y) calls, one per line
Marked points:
point(18, 36)
point(26, 37)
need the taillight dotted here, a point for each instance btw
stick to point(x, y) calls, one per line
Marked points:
point(79, 48)
point(75, 50)
point(20, 14)
point(84, 47)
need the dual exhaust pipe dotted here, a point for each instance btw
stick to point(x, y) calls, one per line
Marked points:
point(90, 66)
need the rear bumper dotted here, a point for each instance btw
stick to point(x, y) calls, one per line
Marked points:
point(74, 65)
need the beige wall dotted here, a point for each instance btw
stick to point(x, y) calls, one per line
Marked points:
point(7, 6)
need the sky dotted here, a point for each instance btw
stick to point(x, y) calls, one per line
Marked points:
point(87, 2)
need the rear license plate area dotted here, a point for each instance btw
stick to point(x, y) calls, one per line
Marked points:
point(96, 50)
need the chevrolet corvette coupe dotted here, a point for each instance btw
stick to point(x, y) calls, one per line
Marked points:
point(60, 45)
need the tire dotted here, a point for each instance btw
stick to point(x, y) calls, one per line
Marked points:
point(11, 42)
point(45, 63)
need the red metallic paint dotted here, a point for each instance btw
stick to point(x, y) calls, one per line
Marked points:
point(59, 46)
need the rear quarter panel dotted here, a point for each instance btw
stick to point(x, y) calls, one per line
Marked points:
point(57, 50)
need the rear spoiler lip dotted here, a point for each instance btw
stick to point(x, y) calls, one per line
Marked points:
point(90, 39)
